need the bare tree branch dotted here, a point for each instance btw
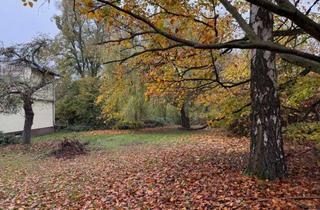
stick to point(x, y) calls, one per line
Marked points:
point(286, 9)
point(143, 52)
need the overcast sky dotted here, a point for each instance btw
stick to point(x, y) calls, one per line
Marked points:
point(20, 24)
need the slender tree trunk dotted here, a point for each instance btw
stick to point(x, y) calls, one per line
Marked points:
point(28, 121)
point(165, 113)
point(317, 113)
point(185, 121)
point(266, 152)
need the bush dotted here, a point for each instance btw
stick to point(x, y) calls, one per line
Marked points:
point(303, 132)
point(78, 128)
point(76, 108)
point(6, 139)
point(152, 123)
point(126, 125)
point(241, 126)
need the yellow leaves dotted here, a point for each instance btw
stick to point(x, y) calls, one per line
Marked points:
point(91, 15)
point(127, 43)
point(238, 69)
point(172, 2)
point(87, 3)
point(120, 92)
point(99, 99)
point(127, 6)
point(208, 38)
point(87, 8)
point(160, 23)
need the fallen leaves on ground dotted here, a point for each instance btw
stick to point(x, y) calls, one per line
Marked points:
point(69, 148)
point(205, 173)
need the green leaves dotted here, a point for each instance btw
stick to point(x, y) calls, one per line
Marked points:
point(303, 132)
point(77, 105)
point(304, 89)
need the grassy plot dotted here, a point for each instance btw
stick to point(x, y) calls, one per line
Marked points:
point(117, 139)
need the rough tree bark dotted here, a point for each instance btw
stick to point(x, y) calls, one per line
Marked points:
point(266, 159)
point(28, 111)
point(185, 121)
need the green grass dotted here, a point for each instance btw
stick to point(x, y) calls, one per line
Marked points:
point(114, 141)
point(56, 136)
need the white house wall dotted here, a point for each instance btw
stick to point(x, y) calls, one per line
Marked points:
point(43, 118)
point(43, 106)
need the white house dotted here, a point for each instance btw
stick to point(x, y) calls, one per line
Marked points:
point(43, 103)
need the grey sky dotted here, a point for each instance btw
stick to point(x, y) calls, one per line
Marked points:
point(20, 24)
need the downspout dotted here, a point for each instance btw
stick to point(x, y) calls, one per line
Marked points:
point(53, 105)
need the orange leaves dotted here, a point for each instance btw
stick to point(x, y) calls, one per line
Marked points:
point(88, 3)
point(172, 80)
point(87, 8)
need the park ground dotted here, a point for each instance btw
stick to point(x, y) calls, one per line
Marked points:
point(164, 168)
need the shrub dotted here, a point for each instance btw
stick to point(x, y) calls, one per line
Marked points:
point(76, 105)
point(241, 126)
point(152, 123)
point(126, 125)
point(303, 132)
point(6, 139)
point(78, 128)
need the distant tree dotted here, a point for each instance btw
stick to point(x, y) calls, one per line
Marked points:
point(78, 40)
point(76, 105)
point(25, 70)
point(79, 61)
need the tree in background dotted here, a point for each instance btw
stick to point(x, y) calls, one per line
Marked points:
point(25, 72)
point(77, 108)
point(124, 103)
point(175, 73)
point(77, 41)
point(79, 62)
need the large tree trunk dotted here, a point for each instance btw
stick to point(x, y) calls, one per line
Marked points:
point(185, 121)
point(266, 152)
point(28, 120)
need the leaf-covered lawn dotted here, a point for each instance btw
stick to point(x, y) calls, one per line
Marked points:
point(164, 169)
